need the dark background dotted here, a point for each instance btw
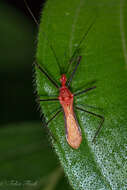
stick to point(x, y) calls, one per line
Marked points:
point(26, 156)
point(35, 6)
point(17, 98)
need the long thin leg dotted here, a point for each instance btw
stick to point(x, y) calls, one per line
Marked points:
point(50, 45)
point(78, 48)
point(97, 115)
point(72, 75)
point(29, 10)
point(53, 52)
point(53, 117)
point(86, 105)
point(82, 39)
point(46, 74)
point(47, 100)
point(84, 91)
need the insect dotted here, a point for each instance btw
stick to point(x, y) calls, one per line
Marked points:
point(66, 98)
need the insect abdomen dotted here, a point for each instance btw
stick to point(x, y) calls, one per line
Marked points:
point(73, 133)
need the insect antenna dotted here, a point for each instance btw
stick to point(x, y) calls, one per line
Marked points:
point(45, 36)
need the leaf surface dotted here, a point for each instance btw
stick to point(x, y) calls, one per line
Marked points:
point(104, 59)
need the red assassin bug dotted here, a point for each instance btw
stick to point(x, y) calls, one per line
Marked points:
point(73, 132)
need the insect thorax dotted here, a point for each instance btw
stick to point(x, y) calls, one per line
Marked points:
point(65, 96)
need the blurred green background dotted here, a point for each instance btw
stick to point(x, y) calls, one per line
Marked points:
point(27, 160)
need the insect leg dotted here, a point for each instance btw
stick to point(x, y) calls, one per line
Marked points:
point(82, 39)
point(50, 45)
point(47, 123)
point(53, 117)
point(77, 49)
point(97, 115)
point(86, 105)
point(84, 91)
point(72, 75)
point(46, 74)
point(32, 15)
point(47, 100)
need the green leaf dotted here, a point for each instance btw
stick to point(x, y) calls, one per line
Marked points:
point(104, 58)
point(27, 161)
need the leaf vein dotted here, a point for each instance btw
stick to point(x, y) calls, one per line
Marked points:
point(74, 26)
point(123, 32)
